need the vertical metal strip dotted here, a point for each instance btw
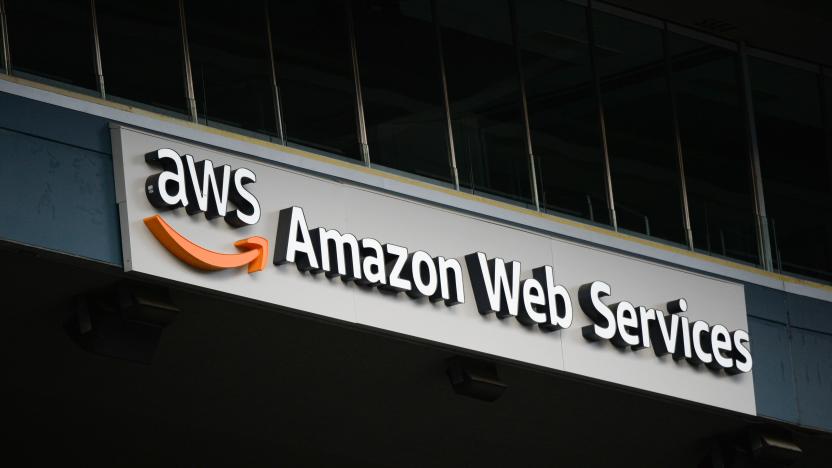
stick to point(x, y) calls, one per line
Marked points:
point(446, 102)
point(186, 62)
point(278, 111)
point(763, 235)
point(677, 136)
point(359, 95)
point(515, 37)
point(601, 118)
point(7, 55)
point(99, 69)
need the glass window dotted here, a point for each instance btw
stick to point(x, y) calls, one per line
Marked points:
point(315, 74)
point(484, 93)
point(404, 112)
point(141, 52)
point(713, 131)
point(563, 111)
point(230, 61)
point(636, 99)
point(52, 39)
point(794, 164)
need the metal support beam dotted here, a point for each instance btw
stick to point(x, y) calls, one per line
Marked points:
point(359, 95)
point(601, 119)
point(187, 71)
point(677, 138)
point(278, 110)
point(515, 36)
point(99, 69)
point(445, 99)
point(764, 246)
point(7, 55)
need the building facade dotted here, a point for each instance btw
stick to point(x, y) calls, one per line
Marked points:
point(610, 222)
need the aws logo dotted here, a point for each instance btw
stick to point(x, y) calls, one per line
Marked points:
point(199, 187)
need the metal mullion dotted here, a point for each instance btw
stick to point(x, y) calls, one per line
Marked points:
point(446, 102)
point(601, 119)
point(99, 69)
point(278, 113)
point(677, 136)
point(359, 95)
point(186, 64)
point(515, 36)
point(7, 56)
point(763, 235)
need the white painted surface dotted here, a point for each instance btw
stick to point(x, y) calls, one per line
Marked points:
point(439, 231)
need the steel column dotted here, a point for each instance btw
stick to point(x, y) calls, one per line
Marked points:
point(359, 95)
point(601, 119)
point(677, 136)
point(515, 37)
point(278, 114)
point(186, 64)
point(99, 70)
point(763, 235)
point(445, 99)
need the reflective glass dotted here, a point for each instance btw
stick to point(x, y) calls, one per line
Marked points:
point(141, 52)
point(398, 57)
point(795, 165)
point(315, 74)
point(484, 93)
point(231, 70)
point(52, 39)
point(713, 130)
point(637, 110)
point(563, 110)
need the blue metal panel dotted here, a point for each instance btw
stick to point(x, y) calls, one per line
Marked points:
point(773, 374)
point(54, 123)
point(57, 196)
point(766, 303)
point(811, 314)
point(813, 377)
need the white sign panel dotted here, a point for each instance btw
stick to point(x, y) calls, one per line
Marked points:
point(244, 227)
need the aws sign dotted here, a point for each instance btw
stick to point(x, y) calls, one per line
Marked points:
point(499, 287)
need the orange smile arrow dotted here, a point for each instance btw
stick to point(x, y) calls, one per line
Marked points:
point(256, 249)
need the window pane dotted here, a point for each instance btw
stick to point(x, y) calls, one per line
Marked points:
point(563, 111)
point(637, 110)
point(796, 172)
point(714, 144)
point(315, 74)
point(147, 33)
point(52, 39)
point(229, 56)
point(406, 126)
point(484, 92)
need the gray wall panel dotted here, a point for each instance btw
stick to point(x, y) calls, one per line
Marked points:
point(766, 303)
point(773, 372)
point(809, 313)
point(54, 123)
point(813, 377)
point(58, 197)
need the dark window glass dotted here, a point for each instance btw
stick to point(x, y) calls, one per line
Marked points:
point(796, 173)
point(637, 109)
point(231, 70)
point(141, 52)
point(52, 39)
point(402, 90)
point(714, 143)
point(315, 74)
point(563, 111)
point(484, 92)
